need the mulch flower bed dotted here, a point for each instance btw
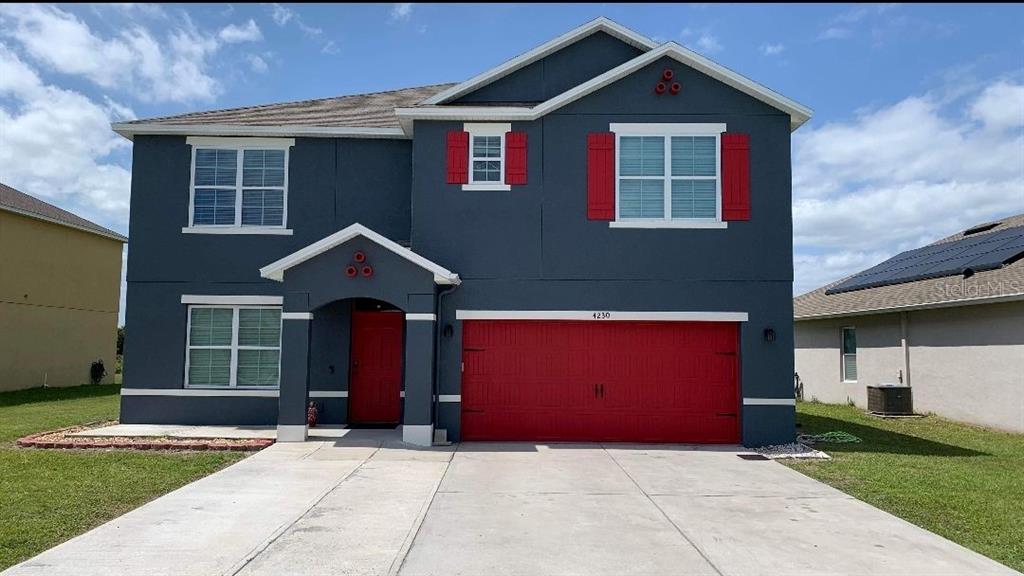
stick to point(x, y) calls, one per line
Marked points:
point(62, 439)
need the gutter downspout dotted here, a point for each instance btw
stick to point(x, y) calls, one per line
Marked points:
point(437, 349)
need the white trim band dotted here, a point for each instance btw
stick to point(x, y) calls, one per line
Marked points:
point(328, 394)
point(449, 398)
point(201, 392)
point(236, 392)
point(600, 315)
point(418, 316)
point(296, 315)
point(232, 300)
point(769, 402)
point(674, 129)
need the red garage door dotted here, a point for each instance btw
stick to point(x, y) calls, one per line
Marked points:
point(600, 381)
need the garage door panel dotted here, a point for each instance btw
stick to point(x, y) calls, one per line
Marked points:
point(600, 381)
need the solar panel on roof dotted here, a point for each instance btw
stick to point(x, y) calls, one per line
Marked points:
point(976, 253)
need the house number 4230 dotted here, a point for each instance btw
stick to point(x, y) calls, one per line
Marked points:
point(602, 315)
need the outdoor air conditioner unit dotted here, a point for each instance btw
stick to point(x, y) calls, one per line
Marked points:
point(890, 400)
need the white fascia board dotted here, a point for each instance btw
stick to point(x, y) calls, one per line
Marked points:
point(600, 315)
point(601, 24)
point(112, 235)
point(798, 113)
point(231, 300)
point(275, 270)
point(129, 130)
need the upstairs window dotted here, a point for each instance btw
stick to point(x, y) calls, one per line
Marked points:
point(486, 156)
point(486, 159)
point(239, 185)
point(668, 173)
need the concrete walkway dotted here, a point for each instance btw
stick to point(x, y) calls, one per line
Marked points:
point(368, 504)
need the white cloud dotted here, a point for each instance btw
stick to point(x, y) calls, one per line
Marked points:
point(257, 63)
point(280, 14)
point(248, 32)
point(171, 69)
point(1000, 106)
point(400, 11)
point(703, 40)
point(835, 33)
point(900, 176)
point(772, 49)
point(58, 145)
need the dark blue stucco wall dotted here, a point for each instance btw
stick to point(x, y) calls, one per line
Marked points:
point(332, 183)
point(557, 72)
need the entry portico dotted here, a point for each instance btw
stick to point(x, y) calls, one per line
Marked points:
point(358, 263)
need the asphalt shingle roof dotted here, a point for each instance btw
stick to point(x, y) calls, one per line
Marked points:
point(374, 110)
point(18, 202)
point(1006, 281)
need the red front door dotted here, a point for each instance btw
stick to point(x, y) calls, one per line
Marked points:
point(600, 381)
point(376, 372)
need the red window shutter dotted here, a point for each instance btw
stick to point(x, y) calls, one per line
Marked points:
point(601, 176)
point(735, 177)
point(515, 158)
point(458, 157)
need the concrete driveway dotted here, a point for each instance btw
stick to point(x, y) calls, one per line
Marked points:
point(370, 505)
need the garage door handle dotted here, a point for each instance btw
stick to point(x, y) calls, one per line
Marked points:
point(729, 414)
point(601, 388)
point(473, 410)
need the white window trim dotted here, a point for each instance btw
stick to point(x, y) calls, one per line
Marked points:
point(666, 131)
point(239, 145)
point(228, 300)
point(487, 129)
point(842, 353)
point(233, 379)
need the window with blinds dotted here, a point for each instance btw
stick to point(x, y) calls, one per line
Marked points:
point(239, 187)
point(849, 354)
point(668, 177)
point(233, 346)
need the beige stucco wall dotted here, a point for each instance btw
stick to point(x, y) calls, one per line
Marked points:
point(966, 363)
point(59, 295)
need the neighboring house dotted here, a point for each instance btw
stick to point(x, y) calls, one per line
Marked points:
point(60, 287)
point(946, 319)
point(592, 241)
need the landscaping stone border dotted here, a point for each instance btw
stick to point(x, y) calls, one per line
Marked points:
point(59, 439)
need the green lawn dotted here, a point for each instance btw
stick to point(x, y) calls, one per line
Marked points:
point(962, 482)
point(48, 496)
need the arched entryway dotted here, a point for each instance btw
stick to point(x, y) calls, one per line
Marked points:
point(360, 271)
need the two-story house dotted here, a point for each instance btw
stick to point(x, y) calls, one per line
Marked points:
point(589, 242)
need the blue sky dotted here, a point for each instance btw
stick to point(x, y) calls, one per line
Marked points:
point(919, 110)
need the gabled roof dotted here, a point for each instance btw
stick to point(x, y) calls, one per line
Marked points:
point(275, 270)
point(601, 24)
point(798, 113)
point(391, 114)
point(18, 202)
point(999, 285)
point(363, 115)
